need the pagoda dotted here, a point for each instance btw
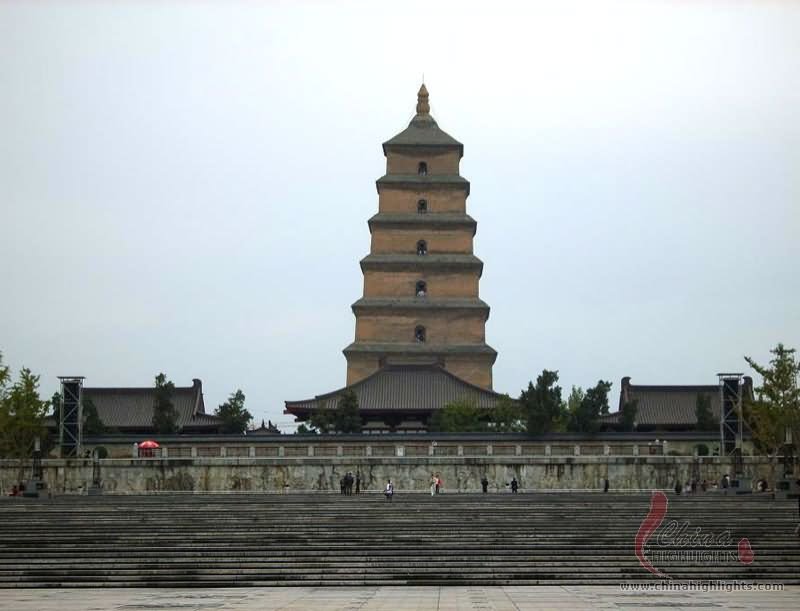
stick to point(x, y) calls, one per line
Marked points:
point(420, 303)
point(420, 322)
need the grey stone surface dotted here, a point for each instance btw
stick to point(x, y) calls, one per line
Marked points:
point(409, 473)
point(390, 599)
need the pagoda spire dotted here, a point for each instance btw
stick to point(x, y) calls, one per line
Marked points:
point(423, 108)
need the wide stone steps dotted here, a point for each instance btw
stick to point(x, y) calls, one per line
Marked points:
point(254, 540)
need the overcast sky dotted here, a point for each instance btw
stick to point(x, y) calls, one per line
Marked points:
point(184, 186)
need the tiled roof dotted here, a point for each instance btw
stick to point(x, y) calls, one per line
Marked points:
point(423, 131)
point(264, 429)
point(668, 405)
point(406, 388)
point(128, 408)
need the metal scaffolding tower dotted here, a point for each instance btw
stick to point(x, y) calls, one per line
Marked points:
point(70, 416)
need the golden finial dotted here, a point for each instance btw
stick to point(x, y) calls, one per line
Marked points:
point(423, 108)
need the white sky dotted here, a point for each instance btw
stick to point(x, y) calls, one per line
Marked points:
point(184, 186)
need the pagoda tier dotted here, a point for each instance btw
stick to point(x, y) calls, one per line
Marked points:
point(421, 300)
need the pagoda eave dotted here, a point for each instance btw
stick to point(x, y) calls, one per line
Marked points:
point(420, 221)
point(416, 182)
point(416, 148)
point(420, 349)
point(400, 305)
point(430, 262)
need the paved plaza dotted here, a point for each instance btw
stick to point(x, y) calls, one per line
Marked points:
point(388, 598)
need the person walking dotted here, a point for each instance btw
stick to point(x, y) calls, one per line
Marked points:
point(514, 485)
point(433, 484)
point(439, 484)
point(605, 484)
point(485, 484)
point(389, 490)
point(358, 482)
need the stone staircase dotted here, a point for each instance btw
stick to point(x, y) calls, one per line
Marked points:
point(173, 540)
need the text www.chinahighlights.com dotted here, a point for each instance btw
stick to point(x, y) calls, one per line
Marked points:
point(701, 586)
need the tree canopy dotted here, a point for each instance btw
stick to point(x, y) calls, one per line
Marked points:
point(165, 416)
point(22, 413)
point(627, 418)
point(464, 416)
point(702, 410)
point(507, 416)
point(235, 417)
point(347, 419)
point(585, 419)
point(542, 404)
point(459, 417)
point(344, 418)
point(774, 412)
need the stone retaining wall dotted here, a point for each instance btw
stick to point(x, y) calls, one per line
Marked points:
point(459, 473)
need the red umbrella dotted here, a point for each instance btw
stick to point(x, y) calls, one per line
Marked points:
point(149, 445)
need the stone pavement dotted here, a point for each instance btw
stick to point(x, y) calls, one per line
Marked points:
point(389, 598)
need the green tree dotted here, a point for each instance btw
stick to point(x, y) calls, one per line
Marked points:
point(507, 416)
point(235, 417)
point(55, 405)
point(572, 405)
point(627, 418)
point(305, 430)
point(592, 406)
point(92, 424)
point(542, 403)
point(323, 419)
point(702, 411)
point(165, 416)
point(22, 413)
point(459, 417)
point(5, 376)
point(774, 412)
point(347, 418)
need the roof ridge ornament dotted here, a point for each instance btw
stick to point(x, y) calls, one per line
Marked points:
point(423, 107)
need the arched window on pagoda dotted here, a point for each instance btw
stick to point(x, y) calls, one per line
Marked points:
point(422, 206)
point(419, 334)
point(422, 168)
point(422, 247)
point(421, 289)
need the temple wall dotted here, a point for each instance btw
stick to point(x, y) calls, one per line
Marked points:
point(403, 284)
point(441, 162)
point(359, 366)
point(442, 327)
point(404, 241)
point(409, 473)
point(476, 369)
point(404, 201)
